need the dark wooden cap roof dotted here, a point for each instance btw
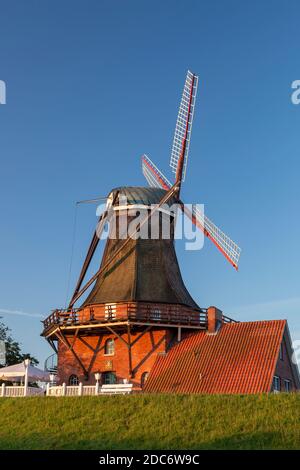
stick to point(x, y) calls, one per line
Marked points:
point(141, 195)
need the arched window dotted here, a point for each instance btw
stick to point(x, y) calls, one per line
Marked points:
point(73, 380)
point(109, 348)
point(144, 378)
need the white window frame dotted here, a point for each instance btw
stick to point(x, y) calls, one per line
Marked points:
point(111, 341)
point(156, 314)
point(110, 311)
point(276, 378)
point(289, 383)
point(281, 352)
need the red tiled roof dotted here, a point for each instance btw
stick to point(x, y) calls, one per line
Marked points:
point(239, 358)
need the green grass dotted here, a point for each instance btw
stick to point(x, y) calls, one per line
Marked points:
point(151, 422)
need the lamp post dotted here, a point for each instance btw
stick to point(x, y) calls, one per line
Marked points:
point(97, 377)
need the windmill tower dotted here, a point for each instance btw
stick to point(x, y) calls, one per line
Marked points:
point(138, 304)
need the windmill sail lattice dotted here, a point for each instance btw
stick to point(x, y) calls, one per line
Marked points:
point(183, 129)
point(153, 175)
point(228, 248)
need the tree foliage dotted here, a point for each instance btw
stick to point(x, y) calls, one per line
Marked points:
point(14, 354)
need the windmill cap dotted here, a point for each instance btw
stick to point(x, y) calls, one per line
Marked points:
point(141, 195)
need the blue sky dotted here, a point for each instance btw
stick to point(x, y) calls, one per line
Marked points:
point(93, 85)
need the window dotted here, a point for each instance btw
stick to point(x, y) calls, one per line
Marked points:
point(287, 385)
point(109, 378)
point(92, 314)
point(281, 352)
point(276, 383)
point(109, 349)
point(155, 314)
point(144, 378)
point(73, 380)
point(110, 311)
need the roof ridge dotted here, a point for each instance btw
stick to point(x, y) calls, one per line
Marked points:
point(284, 320)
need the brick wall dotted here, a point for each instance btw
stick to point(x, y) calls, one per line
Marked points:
point(144, 352)
point(284, 368)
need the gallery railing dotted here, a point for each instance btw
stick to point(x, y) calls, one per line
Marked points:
point(122, 312)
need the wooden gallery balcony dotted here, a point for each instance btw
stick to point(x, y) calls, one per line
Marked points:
point(121, 314)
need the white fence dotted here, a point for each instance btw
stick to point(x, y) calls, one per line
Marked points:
point(19, 391)
point(84, 390)
point(64, 390)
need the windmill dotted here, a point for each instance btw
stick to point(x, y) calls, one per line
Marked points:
point(157, 180)
point(138, 285)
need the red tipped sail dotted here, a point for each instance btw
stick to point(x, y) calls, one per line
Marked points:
point(228, 248)
point(153, 175)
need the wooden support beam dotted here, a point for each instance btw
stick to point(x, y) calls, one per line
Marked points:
point(75, 337)
point(116, 334)
point(96, 350)
point(70, 347)
point(51, 342)
point(88, 345)
point(62, 338)
point(129, 352)
point(141, 335)
point(155, 347)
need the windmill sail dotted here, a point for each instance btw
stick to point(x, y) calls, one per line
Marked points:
point(183, 129)
point(153, 175)
point(228, 248)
